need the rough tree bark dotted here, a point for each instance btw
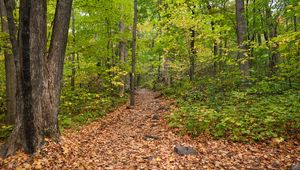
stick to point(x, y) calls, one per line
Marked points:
point(54, 67)
point(10, 68)
point(133, 61)
point(27, 132)
point(242, 37)
point(40, 75)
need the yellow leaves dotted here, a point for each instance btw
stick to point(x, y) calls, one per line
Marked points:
point(158, 159)
point(289, 7)
point(147, 26)
point(278, 140)
point(118, 84)
point(65, 150)
point(38, 164)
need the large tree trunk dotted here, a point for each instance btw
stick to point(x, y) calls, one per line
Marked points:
point(132, 73)
point(10, 69)
point(54, 67)
point(27, 134)
point(242, 37)
point(40, 76)
point(32, 68)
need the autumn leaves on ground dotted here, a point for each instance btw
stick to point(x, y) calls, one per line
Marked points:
point(139, 138)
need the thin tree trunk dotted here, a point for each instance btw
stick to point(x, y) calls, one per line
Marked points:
point(295, 23)
point(108, 63)
point(252, 39)
point(192, 55)
point(17, 137)
point(165, 71)
point(215, 45)
point(242, 37)
point(220, 63)
point(259, 39)
point(122, 54)
point(215, 50)
point(132, 73)
point(10, 70)
point(73, 54)
point(193, 51)
point(10, 6)
point(295, 29)
point(274, 55)
point(159, 72)
point(221, 48)
point(247, 18)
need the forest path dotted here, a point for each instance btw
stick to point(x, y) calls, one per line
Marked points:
point(138, 138)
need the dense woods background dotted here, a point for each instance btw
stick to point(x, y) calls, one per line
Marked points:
point(232, 66)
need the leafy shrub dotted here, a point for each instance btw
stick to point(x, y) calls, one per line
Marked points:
point(81, 106)
point(241, 116)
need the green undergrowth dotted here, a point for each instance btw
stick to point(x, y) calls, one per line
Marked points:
point(5, 129)
point(260, 112)
point(77, 108)
point(82, 107)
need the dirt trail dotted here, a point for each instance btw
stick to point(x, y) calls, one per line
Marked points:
point(138, 138)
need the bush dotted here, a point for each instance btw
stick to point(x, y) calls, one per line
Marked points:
point(82, 107)
point(240, 117)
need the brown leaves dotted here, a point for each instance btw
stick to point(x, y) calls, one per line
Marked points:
point(131, 139)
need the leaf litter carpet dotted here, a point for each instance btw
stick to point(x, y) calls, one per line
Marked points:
point(138, 138)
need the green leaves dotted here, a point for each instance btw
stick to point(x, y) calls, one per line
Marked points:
point(81, 106)
point(5, 131)
point(239, 116)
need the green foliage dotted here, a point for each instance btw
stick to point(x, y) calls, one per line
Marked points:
point(82, 107)
point(219, 101)
point(5, 130)
point(2, 88)
point(240, 116)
